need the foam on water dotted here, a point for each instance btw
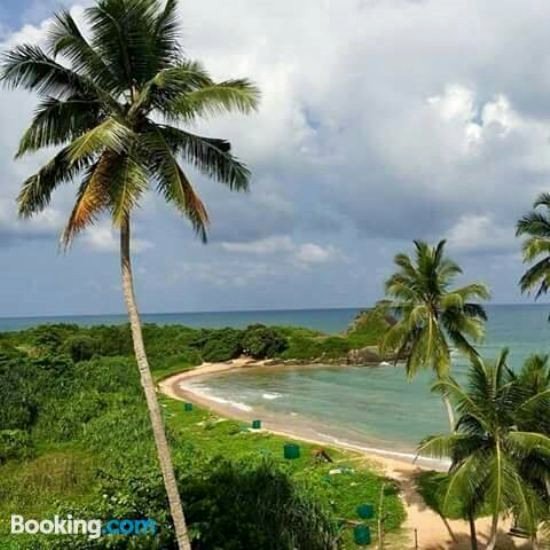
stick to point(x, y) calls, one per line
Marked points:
point(203, 390)
point(271, 396)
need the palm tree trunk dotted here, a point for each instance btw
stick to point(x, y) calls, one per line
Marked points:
point(491, 545)
point(450, 412)
point(473, 534)
point(163, 450)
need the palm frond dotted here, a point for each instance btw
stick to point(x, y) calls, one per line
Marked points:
point(168, 84)
point(109, 135)
point(166, 36)
point(211, 156)
point(29, 67)
point(214, 99)
point(66, 39)
point(534, 223)
point(36, 191)
point(537, 275)
point(92, 198)
point(172, 182)
point(524, 443)
point(56, 122)
point(128, 181)
point(123, 35)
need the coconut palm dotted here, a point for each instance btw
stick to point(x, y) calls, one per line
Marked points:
point(532, 397)
point(490, 451)
point(115, 101)
point(536, 248)
point(431, 314)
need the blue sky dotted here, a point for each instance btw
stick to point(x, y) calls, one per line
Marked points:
point(380, 123)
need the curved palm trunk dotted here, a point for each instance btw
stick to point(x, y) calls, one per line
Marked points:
point(491, 545)
point(163, 450)
point(473, 534)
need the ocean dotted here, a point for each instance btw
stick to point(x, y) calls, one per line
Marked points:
point(327, 320)
point(374, 406)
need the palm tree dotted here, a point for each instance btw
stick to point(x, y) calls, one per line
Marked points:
point(430, 312)
point(536, 226)
point(115, 101)
point(490, 449)
point(532, 396)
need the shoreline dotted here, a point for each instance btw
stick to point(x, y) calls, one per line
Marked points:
point(173, 386)
point(422, 523)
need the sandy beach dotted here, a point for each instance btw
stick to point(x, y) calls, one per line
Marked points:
point(423, 526)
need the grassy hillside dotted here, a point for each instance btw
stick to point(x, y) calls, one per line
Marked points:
point(75, 437)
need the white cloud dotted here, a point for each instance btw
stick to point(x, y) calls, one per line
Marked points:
point(224, 274)
point(303, 254)
point(103, 238)
point(311, 253)
point(480, 233)
point(269, 245)
point(379, 122)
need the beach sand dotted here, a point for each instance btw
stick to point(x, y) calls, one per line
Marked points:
point(423, 526)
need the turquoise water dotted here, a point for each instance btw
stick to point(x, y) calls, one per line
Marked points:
point(376, 406)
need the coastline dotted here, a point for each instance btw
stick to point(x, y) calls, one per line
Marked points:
point(422, 523)
point(174, 386)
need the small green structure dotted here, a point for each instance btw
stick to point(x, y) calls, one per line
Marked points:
point(256, 424)
point(365, 511)
point(187, 407)
point(361, 535)
point(291, 451)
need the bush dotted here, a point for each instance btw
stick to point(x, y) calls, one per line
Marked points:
point(80, 348)
point(15, 444)
point(50, 338)
point(218, 345)
point(334, 347)
point(261, 342)
point(234, 505)
point(229, 505)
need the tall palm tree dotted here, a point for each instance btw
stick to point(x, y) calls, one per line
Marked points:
point(115, 102)
point(431, 313)
point(536, 248)
point(490, 449)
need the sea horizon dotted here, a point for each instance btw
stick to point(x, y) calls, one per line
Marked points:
point(330, 319)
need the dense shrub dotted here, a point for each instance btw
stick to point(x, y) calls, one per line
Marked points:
point(50, 338)
point(261, 342)
point(234, 505)
point(80, 348)
point(218, 345)
point(229, 505)
point(19, 407)
point(369, 328)
point(15, 444)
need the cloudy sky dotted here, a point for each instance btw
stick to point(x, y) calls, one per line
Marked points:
point(382, 121)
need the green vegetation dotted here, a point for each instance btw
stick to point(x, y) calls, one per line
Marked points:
point(501, 450)
point(75, 437)
point(536, 248)
point(431, 315)
point(500, 445)
point(366, 331)
point(173, 345)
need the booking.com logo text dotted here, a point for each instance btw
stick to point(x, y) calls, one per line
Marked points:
point(93, 528)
